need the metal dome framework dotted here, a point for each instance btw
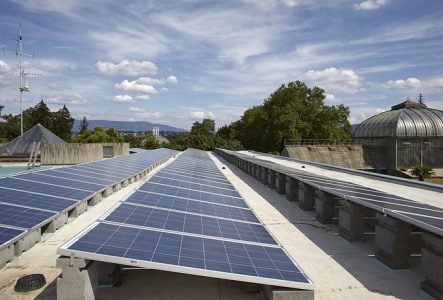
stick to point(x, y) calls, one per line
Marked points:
point(409, 134)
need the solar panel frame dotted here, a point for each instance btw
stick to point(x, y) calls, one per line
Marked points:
point(18, 216)
point(9, 235)
point(131, 261)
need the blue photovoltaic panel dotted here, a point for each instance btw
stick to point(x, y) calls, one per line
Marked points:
point(180, 221)
point(193, 175)
point(35, 200)
point(71, 170)
point(7, 234)
point(62, 173)
point(193, 206)
point(190, 223)
point(44, 188)
point(23, 217)
point(194, 186)
point(191, 194)
point(195, 180)
point(62, 182)
point(234, 258)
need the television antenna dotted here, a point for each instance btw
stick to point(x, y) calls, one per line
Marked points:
point(23, 87)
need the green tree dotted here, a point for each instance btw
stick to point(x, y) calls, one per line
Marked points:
point(150, 142)
point(39, 114)
point(61, 123)
point(98, 135)
point(133, 141)
point(422, 172)
point(206, 127)
point(83, 125)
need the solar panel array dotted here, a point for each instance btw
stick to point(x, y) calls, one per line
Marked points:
point(30, 200)
point(421, 215)
point(188, 218)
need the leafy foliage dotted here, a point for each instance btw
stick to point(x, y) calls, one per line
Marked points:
point(83, 125)
point(151, 142)
point(98, 135)
point(59, 122)
point(133, 141)
point(422, 172)
point(293, 111)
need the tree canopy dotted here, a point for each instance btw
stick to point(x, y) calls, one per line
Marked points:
point(293, 111)
point(83, 125)
point(98, 135)
point(59, 122)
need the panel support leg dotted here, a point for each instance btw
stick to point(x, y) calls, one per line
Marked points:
point(432, 262)
point(280, 183)
point(265, 175)
point(351, 221)
point(291, 189)
point(325, 207)
point(271, 179)
point(305, 196)
point(279, 293)
point(392, 242)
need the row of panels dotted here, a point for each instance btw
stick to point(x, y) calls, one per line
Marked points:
point(188, 218)
point(421, 215)
point(31, 200)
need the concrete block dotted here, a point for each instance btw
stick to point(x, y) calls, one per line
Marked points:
point(392, 242)
point(265, 175)
point(325, 207)
point(280, 183)
point(279, 293)
point(78, 210)
point(432, 264)
point(78, 280)
point(107, 192)
point(253, 170)
point(125, 183)
point(132, 180)
point(351, 221)
point(258, 172)
point(6, 255)
point(109, 274)
point(306, 196)
point(271, 178)
point(117, 187)
point(291, 189)
point(95, 200)
point(55, 224)
point(27, 242)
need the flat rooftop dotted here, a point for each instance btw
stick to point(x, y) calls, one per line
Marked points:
point(339, 269)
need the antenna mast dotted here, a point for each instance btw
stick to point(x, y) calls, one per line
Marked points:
point(23, 84)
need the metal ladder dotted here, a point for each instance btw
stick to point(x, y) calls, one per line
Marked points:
point(35, 151)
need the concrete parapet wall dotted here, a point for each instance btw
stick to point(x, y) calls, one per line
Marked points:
point(349, 156)
point(118, 148)
point(67, 154)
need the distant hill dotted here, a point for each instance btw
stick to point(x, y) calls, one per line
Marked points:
point(126, 125)
point(354, 126)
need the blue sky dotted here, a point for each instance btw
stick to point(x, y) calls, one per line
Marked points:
point(176, 62)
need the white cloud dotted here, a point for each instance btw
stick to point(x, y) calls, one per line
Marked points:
point(4, 67)
point(202, 114)
point(66, 99)
point(370, 4)
point(148, 80)
point(335, 80)
point(164, 90)
point(142, 97)
point(134, 86)
point(123, 99)
point(136, 109)
point(403, 84)
point(172, 79)
point(127, 67)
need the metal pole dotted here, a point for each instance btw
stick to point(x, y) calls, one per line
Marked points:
point(21, 75)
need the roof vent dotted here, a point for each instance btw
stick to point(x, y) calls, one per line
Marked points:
point(30, 283)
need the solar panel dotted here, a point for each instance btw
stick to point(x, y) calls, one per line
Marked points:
point(36, 177)
point(8, 234)
point(192, 194)
point(193, 206)
point(189, 223)
point(35, 200)
point(44, 188)
point(189, 254)
point(23, 217)
point(182, 222)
